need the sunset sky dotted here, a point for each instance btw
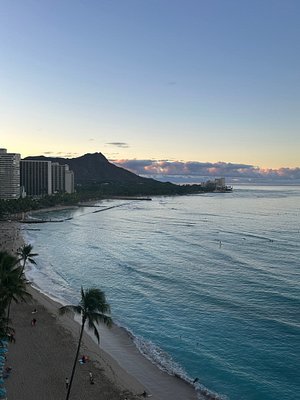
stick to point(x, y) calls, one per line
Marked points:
point(169, 81)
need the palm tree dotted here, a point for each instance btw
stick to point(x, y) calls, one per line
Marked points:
point(25, 253)
point(8, 266)
point(12, 283)
point(15, 290)
point(93, 309)
point(5, 330)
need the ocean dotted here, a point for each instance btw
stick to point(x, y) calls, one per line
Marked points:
point(208, 284)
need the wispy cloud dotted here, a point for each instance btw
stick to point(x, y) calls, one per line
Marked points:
point(59, 154)
point(193, 171)
point(68, 155)
point(118, 144)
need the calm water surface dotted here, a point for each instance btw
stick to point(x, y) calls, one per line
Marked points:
point(208, 284)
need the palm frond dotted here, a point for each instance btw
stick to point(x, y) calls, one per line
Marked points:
point(96, 333)
point(93, 308)
point(70, 308)
point(101, 318)
point(93, 327)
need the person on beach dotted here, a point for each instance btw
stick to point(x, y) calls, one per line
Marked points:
point(33, 322)
point(67, 382)
point(11, 337)
point(34, 311)
point(84, 359)
point(91, 378)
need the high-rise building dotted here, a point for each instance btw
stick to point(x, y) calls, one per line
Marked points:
point(9, 175)
point(62, 178)
point(69, 180)
point(220, 183)
point(39, 178)
point(36, 177)
point(58, 177)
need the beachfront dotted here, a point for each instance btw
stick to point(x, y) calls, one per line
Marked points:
point(42, 356)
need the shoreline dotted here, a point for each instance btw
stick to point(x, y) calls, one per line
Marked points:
point(128, 372)
point(122, 362)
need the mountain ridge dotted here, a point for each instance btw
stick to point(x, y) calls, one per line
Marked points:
point(94, 168)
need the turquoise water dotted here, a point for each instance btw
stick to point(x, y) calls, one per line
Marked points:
point(208, 284)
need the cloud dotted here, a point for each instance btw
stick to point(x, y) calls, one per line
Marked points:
point(68, 155)
point(193, 171)
point(60, 154)
point(119, 144)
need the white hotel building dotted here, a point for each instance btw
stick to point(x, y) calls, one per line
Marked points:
point(32, 177)
point(9, 175)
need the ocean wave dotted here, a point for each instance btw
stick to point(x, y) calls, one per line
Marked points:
point(163, 360)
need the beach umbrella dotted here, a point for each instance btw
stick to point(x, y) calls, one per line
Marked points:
point(1, 381)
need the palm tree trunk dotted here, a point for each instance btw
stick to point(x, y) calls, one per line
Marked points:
point(76, 359)
point(23, 267)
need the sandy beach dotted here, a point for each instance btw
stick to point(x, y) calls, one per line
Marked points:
point(43, 355)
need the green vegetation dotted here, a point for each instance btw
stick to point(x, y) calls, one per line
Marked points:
point(12, 288)
point(96, 191)
point(25, 253)
point(93, 309)
point(145, 188)
point(10, 207)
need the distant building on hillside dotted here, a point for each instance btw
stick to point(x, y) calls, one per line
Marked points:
point(9, 175)
point(218, 185)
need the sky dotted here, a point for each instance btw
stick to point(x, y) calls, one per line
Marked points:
point(164, 87)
